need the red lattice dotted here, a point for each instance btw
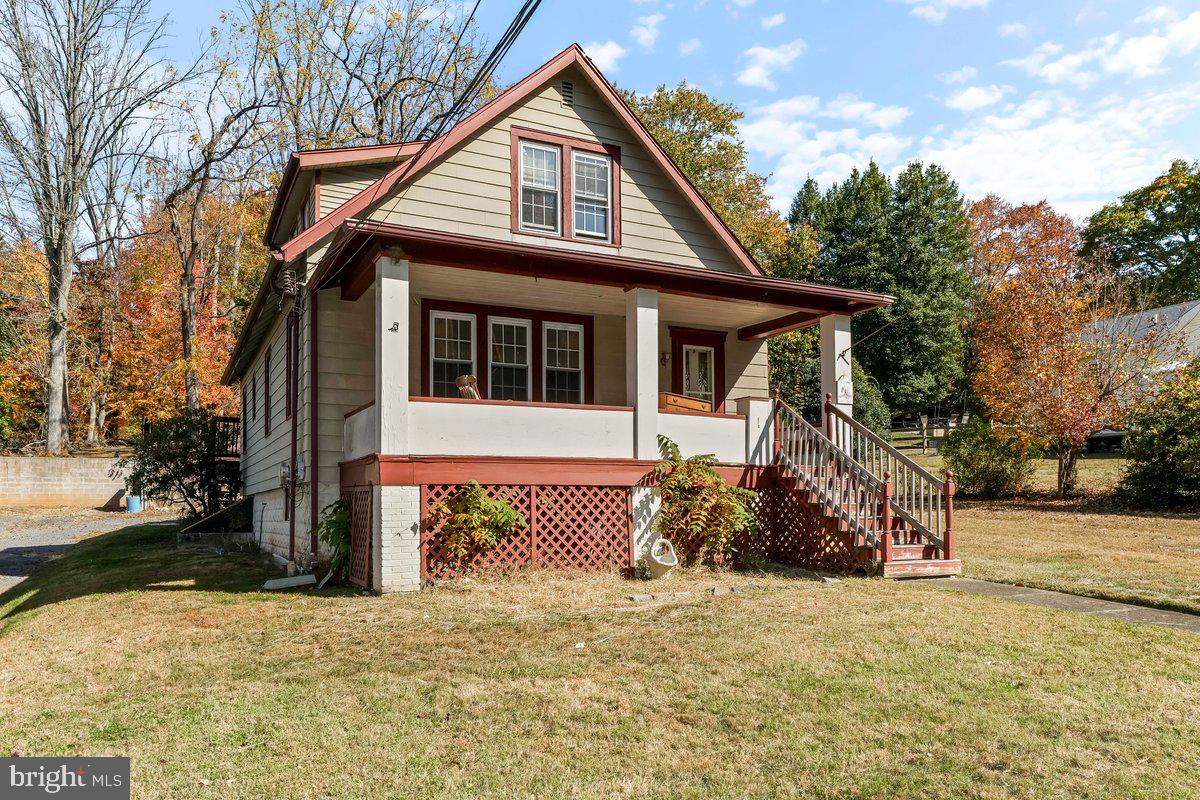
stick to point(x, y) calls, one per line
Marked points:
point(797, 533)
point(358, 502)
point(573, 527)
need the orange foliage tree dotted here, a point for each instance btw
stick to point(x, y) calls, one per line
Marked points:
point(1052, 365)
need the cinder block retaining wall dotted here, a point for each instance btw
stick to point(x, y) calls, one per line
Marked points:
point(67, 481)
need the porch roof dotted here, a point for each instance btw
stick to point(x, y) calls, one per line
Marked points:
point(349, 263)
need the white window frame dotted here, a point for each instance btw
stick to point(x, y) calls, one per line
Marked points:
point(434, 316)
point(528, 325)
point(521, 223)
point(608, 213)
point(567, 326)
point(712, 372)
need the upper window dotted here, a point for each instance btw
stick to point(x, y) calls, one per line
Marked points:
point(452, 354)
point(563, 362)
point(508, 354)
point(591, 186)
point(541, 179)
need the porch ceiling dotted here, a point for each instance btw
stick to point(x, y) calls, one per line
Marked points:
point(473, 286)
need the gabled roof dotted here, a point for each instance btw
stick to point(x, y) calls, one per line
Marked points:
point(437, 150)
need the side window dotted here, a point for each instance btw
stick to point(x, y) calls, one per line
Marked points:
point(563, 363)
point(452, 351)
point(591, 186)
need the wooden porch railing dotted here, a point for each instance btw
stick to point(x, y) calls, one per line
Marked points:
point(843, 488)
point(923, 501)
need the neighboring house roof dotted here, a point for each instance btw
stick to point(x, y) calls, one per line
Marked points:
point(1181, 321)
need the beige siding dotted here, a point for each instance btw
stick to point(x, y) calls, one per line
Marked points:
point(346, 356)
point(340, 184)
point(469, 192)
point(746, 369)
point(264, 451)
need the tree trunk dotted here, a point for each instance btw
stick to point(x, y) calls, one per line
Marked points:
point(92, 415)
point(56, 350)
point(1068, 471)
point(187, 321)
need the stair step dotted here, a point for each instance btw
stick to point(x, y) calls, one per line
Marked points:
point(913, 552)
point(920, 568)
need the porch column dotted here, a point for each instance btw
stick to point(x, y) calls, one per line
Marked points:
point(641, 369)
point(391, 355)
point(835, 361)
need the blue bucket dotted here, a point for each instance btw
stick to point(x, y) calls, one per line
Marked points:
point(133, 503)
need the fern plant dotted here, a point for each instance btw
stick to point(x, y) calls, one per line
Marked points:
point(699, 505)
point(473, 521)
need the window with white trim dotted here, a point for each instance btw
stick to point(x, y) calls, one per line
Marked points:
point(698, 372)
point(508, 358)
point(563, 362)
point(451, 351)
point(540, 181)
point(592, 185)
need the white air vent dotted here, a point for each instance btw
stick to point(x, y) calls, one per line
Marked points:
point(568, 93)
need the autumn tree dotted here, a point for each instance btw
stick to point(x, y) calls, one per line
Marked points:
point(1153, 235)
point(1055, 360)
point(74, 76)
point(701, 135)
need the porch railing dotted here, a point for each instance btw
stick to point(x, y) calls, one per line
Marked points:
point(918, 498)
point(842, 487)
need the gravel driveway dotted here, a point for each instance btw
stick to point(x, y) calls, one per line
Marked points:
point(29, 536)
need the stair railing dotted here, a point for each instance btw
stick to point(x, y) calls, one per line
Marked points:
point(843, 488)
point(918, 497)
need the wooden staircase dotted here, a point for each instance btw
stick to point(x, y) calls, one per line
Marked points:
point(896, 516)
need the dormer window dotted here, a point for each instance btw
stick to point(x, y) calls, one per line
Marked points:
point(565, 188)
point(541, 180)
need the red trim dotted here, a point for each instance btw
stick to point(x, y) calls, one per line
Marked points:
point(697, 337)
point(566, 146)
point(316, 196)
point(536, 317)
point(532, 404)
point(267, 392)
point(357, 409)
point(534, 471)
point(313, 443)
point(773, 327)
point(687, 413)
point(572, 56)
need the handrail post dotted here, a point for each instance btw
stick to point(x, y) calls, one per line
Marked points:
point(885, 517)
point(948, 537)
point(829, 417)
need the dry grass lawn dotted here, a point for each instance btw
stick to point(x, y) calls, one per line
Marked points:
point(860, 689)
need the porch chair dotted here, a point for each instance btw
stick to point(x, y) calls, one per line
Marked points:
point(468, 387)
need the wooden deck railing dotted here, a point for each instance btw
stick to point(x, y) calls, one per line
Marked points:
point(844, 489)
point(917, 497)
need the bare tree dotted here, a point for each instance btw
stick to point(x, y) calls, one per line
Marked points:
point(74, 75)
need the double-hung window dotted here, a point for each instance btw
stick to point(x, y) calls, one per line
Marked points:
point(563, 362)
point(452, 353)
point(541, 179)
point(509, 375)
point(591, 185)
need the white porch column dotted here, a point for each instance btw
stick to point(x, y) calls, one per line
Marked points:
point(641, 369)
point(835, 362)
point(391, 355)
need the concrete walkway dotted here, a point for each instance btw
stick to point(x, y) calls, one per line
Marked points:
point(1091, 606)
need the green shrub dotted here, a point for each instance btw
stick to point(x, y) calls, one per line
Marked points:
point(473, 521)
point(697, 504)
point(1162, 446)
point(987, 462)
point(334, 530)
point(801, 389)
point(179, 461)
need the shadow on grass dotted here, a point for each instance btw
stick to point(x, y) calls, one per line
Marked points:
point(1096, 504)
point(143, 557)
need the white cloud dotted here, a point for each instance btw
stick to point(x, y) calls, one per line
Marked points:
point(1158, 14)
point(689, 47)
point(936, 10)
point(1070, 68)
point(852, 108)
point(763, 62)
point(773, 21)
point(744, 3)
point(646, 31)
point(958, 76)
point(973, 98)
point(1139, 56)
point(605, 55)
point(1014, 29)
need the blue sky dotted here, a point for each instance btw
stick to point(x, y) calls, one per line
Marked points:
point(1071, 102)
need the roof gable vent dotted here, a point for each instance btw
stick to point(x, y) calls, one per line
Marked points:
point(568, 93)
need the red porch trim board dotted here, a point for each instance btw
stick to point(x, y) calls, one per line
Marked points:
point(537, 319)
point(698, 337)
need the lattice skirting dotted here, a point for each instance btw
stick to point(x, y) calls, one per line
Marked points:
point(572, 527)
point(358, 501)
